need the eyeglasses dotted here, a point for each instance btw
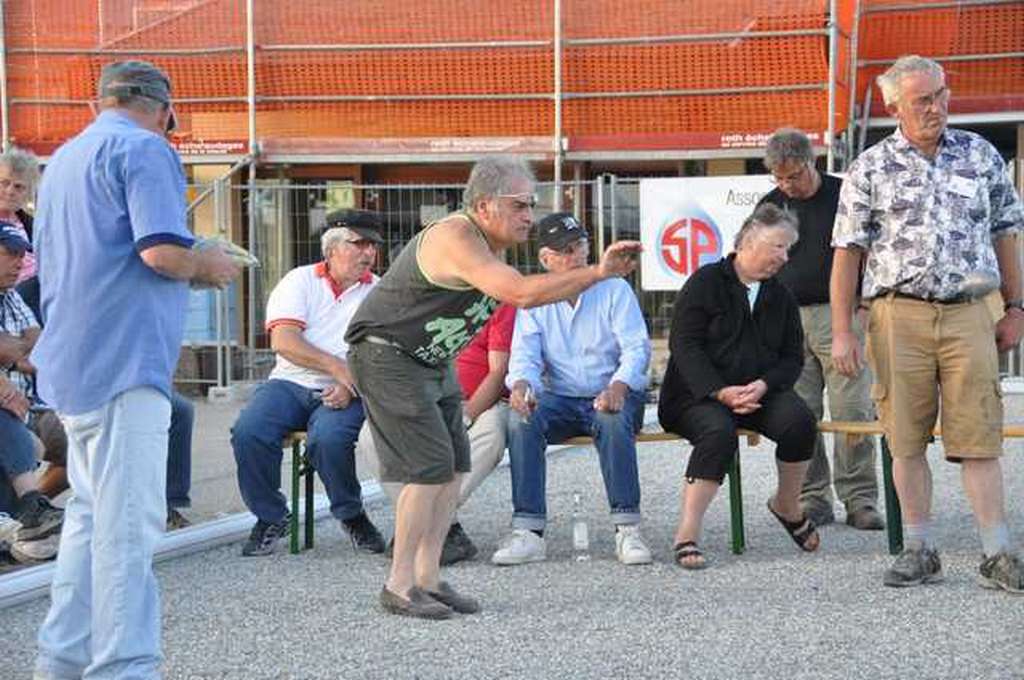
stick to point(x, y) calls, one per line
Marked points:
point(521, 201)
point(791, 178)
point(10, 183)
point(925, 102)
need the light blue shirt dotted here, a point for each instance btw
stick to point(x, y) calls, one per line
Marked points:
point(110, 322)
point(577, 351)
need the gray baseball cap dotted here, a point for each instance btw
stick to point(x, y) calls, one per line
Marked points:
point(135, 79)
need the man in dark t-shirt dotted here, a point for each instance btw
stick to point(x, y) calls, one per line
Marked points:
point(437, 294)
point(812, 198)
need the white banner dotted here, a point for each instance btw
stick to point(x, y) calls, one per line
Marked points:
point(687, 222)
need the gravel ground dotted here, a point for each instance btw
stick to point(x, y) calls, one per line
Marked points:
point(771, 613)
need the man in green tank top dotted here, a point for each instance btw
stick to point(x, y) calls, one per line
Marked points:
point(441, 288)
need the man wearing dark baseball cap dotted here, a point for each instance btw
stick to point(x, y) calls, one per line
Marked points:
point(111, 221)
point(587, 365)
point(558, 231)
point(13, 240)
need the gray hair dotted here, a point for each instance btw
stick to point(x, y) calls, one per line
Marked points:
point(135, 85)
point(766, 216)
point(785, 145)
point(889, 82)
point(330, 239)
point(24, 164)
point(493, 175)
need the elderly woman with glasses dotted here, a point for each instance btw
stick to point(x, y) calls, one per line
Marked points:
point(736, 349)
point(19, 172)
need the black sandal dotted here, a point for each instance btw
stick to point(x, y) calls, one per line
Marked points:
point(800, 531)
point(689, 550)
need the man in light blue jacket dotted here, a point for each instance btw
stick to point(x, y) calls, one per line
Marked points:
point(577, 367)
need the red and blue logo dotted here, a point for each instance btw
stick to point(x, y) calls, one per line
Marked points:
point(687, 243)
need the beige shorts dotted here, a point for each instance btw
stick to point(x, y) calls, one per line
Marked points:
point(927, 356)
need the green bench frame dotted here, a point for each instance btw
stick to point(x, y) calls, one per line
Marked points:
point(303, 468)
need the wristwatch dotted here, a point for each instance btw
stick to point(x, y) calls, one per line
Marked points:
point(1014, 304)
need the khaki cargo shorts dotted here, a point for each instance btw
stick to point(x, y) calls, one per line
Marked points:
point(929, 356)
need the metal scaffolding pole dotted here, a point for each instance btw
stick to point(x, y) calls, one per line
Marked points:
point(557, 199)
point(833, 44)
point(5, 112)
point(250, 67)
point(852, 122)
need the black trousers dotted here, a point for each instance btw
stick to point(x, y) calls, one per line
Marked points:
point(711, 427)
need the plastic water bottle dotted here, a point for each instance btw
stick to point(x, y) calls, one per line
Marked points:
point(580, 533)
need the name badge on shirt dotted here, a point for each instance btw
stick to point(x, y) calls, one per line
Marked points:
point(963, 186)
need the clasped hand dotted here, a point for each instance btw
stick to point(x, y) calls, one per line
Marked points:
point(743, 399)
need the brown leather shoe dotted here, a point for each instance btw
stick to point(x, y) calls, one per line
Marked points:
point(419, 605)
point(462, 604)
point(865, 519)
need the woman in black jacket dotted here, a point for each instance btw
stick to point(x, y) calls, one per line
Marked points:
point(736, 349)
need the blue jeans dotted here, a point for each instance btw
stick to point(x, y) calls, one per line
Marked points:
point(104, 618)
point(277, 408)
point(179, 452)
point(558, 418)
point(17, 456)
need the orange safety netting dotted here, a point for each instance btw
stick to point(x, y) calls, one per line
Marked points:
point(304, 89)
point(982, 82)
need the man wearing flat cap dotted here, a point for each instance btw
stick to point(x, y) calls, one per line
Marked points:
point(115, 259)
point(585, 359)
point(310, 387)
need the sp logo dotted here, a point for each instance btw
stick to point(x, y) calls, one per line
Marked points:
point(687, 243)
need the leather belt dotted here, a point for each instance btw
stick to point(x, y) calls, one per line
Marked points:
point(955, 300)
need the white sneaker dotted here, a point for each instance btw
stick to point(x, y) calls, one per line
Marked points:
point(38, 550)
point(522, 547)
point(629, 545)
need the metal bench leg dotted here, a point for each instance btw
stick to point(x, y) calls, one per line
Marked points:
point(293, 521)
point(307, 470)
point(739, 543)
point(893, 514)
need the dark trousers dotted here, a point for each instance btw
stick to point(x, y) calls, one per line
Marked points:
point(711, 427)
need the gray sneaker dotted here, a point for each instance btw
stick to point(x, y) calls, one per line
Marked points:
point(39, 518)
point(914, 567)
point(1002, 570)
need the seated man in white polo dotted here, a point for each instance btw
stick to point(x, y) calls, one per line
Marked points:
point(586, 360)
point(310, 387)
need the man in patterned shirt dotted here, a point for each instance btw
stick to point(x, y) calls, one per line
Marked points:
point(19, 489)
point(932, 213)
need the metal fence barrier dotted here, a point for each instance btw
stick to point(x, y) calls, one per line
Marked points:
point(226, 340)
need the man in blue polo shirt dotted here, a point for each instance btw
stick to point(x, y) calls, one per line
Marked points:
point(115, 259)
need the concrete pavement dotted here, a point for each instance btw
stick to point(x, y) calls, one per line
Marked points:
point(771, 613)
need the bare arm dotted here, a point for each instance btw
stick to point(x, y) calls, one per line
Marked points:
point(1009, 328)
point(1009, 267)
point(455, 252)
point(846, 352)
point(289, 343)
point(490, 388)
point(210, 266)
point(13, 348)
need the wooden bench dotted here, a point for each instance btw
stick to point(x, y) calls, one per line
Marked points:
point(302, 468)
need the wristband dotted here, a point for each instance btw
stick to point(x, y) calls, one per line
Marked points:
point(1014, 304)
